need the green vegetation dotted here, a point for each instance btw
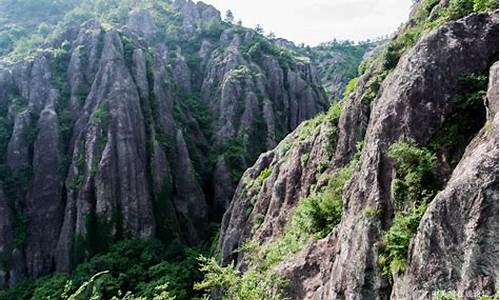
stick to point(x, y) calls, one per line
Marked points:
point(234, 153)
point(412, 189)
point(469, 117)
point(263, 175)
point(415, 175)
point(77, 181)
point(394, 246)
point(461, 8)
point(487, 297)
point(446, 295)
point(24, 30)
point(233, 285)
point(260, 46)
point(345, 57)
point(314, 217)
point(420, 24)
point(320, 212)
point(101, 116)
point(371, 212)
point(350, 87)
point(485, 5)
point(147, 269)
point(452, 295)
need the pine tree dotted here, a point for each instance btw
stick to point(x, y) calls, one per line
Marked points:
point(229, 16)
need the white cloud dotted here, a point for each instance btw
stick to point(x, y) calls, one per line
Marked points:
point(315, 21)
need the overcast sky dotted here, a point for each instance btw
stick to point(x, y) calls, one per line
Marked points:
point(315, 21)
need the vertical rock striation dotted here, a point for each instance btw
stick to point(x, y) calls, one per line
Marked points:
point(456, 246)
point(129, 132)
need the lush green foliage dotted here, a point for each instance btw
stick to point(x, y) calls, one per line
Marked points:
point(260, 46)
point(394, 246)
point(488, 297)
point(321, 212)
point(26, 30)
point(141, 267)
point(485, 5)
point(263, 175)
point(344, 55)
point(413, 188)
point(350, 87)
point(235, 154)
point(446, 295)
point(460, 8)
point(415, 181)
point(233, 285)
point(459, 129)
point(452, 295)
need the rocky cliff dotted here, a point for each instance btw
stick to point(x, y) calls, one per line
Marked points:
point(135, 126)
point(396, 196)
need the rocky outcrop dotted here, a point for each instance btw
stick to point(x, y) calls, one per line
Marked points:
point(196, 15)
point(141, 23)
point(261, 206)
point(399, 113)
point(6, 239)
point(456, 245)
point(44, 203)
point(114, 133)
point(189, 200)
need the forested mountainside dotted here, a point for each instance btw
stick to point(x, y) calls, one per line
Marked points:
point(337, 63)
point(126, 128)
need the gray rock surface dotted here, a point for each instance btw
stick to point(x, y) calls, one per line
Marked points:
point(415, 100)
point(120, 135)
point(456, 247)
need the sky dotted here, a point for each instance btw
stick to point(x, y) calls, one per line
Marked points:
point(315, 21)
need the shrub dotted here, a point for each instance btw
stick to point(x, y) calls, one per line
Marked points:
point(412, 189)
point(486, 297)
point(469, 117)
point(446, 295)
point(235, 154)
point(323, 211)
point(233, 285)
point(370, 212)
point(350, 87)
point(141, 267)
point(485, 5)
point(334, 112)
point(474, 85)
point(263, 175)
point(395, 242)
point(304, 159)
point(101, 115)
point(459, 8)
point(22, 291)
point(372, 87)
point(415, 174)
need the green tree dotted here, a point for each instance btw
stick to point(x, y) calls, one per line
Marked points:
point(229, 16)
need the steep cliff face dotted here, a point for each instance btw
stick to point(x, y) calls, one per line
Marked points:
point(137, 128)
point(464, 214)
point(349, 207)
